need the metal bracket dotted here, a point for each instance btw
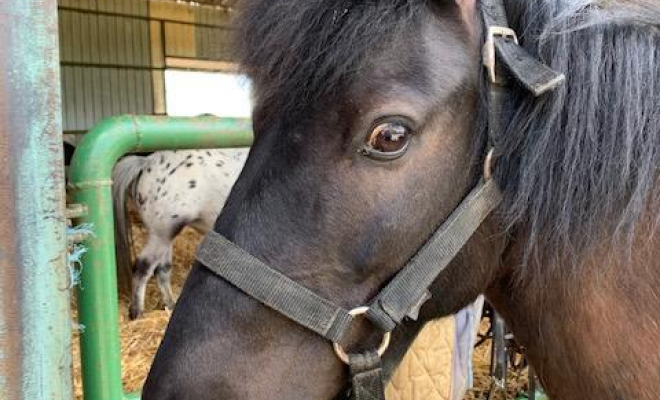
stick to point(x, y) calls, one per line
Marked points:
point(488, 52)
point(488, 164)
point(382, 348)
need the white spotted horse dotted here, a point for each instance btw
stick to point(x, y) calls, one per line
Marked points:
point(169, 190)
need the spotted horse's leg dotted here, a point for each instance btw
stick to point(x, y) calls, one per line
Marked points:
point(163, 276)
point(156, 253)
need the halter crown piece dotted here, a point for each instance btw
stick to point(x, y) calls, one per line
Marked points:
point(503, 58)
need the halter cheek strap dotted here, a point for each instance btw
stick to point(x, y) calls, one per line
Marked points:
point(408, 290)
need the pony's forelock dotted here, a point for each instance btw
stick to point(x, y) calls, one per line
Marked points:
point(301, 53)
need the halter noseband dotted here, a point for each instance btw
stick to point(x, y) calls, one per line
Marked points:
point(408, 290)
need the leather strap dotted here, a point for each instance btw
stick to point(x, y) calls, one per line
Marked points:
point(272, 288)
point(531, 73)
point(366, 376)
point(498, 97)
point(534, 75)
point(405, 293)
point(402, 297)
point(494, 13)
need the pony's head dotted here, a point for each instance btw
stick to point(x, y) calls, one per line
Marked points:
point(369, 131)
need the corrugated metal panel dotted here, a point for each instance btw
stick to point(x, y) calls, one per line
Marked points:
point(79, 4)
point(87, 107)
point(122, 33)
point(171, 11)
point(79, 99)
point(143, 38)
point(214, 44)
point(108, 28)
point(120, 88)
point(65, 35)
point(106, 93)
point(111, 58)
point(180, 40)
point(85, 45)
point(212, 16)
point(156, 44)
point(72, 36)
point(219, 3)
point(87, 38)
point(92, 3)
point(113, 106)
point(97, 78)
point(91, 94)
point(68, 99)
point(93, 34)
point(126, 7)
point(158, 84)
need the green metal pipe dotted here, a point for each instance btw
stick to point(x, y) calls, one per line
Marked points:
point(90, 184)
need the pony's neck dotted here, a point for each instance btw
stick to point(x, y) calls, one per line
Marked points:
point(591, 335)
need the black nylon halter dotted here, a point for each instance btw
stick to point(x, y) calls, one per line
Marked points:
point(408, 290)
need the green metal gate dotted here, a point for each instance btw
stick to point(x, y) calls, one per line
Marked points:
point(90, 184)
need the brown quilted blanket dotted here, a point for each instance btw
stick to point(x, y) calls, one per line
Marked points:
point(425, 371)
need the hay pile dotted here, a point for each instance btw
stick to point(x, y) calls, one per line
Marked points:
point(482, 380)
point(140, 339)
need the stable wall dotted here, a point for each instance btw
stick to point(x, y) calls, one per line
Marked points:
point(114, 54)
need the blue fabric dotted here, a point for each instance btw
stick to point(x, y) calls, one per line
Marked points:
point(468, 321)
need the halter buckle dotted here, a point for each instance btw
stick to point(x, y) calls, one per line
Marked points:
point(489, 48)
point(488, 164)
point(382, 348)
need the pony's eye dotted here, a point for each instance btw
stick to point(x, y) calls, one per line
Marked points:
point(388, 141)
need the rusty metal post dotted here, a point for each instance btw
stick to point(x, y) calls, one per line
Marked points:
point(35, 334)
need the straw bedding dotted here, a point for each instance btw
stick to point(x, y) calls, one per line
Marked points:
point(140, 339)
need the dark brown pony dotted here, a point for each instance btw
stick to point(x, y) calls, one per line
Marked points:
point(570, 259)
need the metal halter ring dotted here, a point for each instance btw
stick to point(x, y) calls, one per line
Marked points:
point(384, 344)
point(488, 164)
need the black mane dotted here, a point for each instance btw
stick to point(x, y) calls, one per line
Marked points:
point(583, 163)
